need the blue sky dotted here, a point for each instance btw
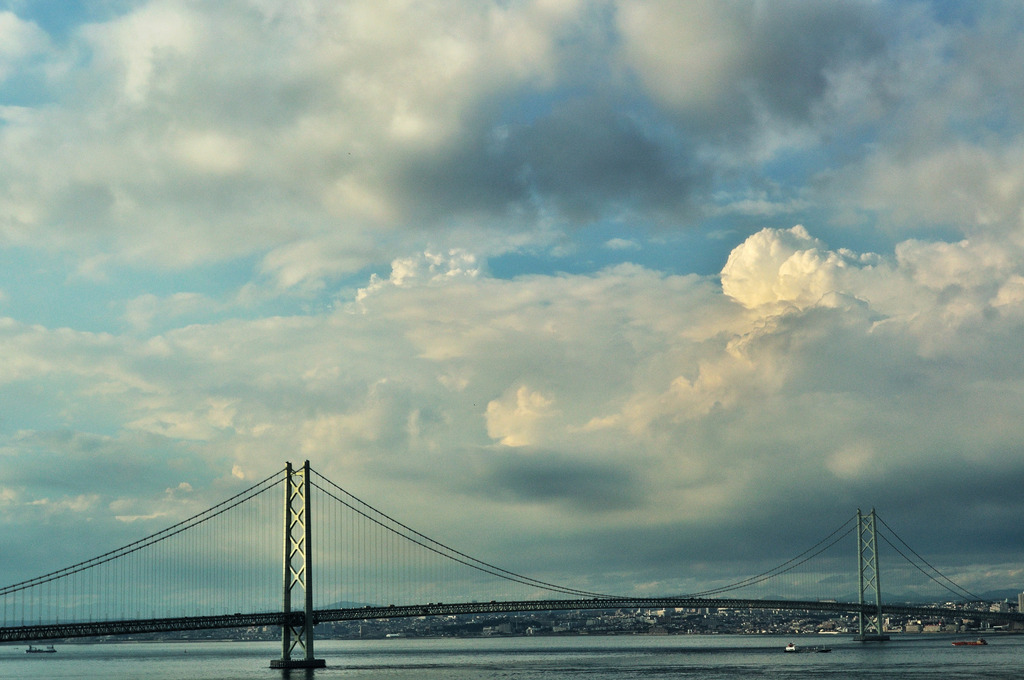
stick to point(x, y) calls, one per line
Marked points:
point(761, 262)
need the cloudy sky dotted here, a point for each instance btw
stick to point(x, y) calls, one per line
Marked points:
point(625, 289)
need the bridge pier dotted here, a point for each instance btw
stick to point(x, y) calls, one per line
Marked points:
point(298, 663)
point(298, 571)
point(871, 637)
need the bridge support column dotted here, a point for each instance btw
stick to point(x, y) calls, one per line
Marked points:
point(298, 572)
point(869, 624)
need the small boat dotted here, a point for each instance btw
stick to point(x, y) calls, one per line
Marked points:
point(40, 650)
point(791, 647)
point(980, 642)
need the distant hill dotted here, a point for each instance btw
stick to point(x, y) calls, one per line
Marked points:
point(1007, 594)
point(988, 595)
point(913, 598)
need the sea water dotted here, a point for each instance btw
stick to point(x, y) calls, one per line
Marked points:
point(920, 657)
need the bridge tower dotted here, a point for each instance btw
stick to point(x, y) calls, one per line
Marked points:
point(298, 571)
point(869, 625)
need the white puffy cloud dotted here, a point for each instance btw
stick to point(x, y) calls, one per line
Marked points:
point(515, 418)
point(19, 41)
point(778, 269)
point(966, 265)
point(144, 310)
point(738, 72)
point(971, 187)
point(947, 153)
point(1011, 293)
point(214, 131)
point(318, 135)
point(676, 399)
point(621, 244)
point(134, 48)
point(937, 294)
point(426, 268)
point(195, 164)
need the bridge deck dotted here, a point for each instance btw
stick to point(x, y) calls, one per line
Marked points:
point(58, 631)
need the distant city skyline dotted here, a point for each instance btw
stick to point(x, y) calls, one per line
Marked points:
point(644, 286)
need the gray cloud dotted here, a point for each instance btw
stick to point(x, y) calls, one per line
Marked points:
point(234, 129)
point(548, 478)
point(701, 422)
point(727, 68)
point(585, 157)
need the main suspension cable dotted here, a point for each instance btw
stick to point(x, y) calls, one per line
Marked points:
point(173, 530)
point(963, 592)
point(447, 551)
point(786, 566)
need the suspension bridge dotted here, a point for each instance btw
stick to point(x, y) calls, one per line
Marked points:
point(330, 557)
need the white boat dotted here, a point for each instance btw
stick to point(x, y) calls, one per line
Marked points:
point(791, 647)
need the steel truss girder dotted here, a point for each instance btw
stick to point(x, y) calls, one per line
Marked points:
point(601, 604)
point(60, 631)
point(297, 619)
